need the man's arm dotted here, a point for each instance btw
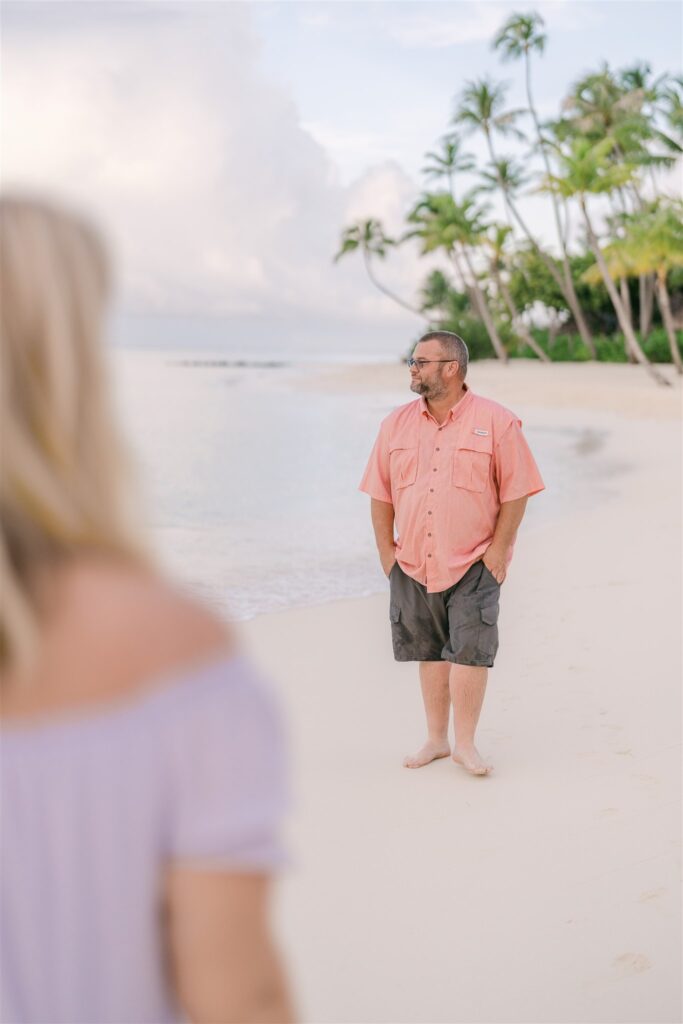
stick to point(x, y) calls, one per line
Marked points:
point(382, 513)
point(509, 518)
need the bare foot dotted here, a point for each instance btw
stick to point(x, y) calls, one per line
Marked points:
point(430, 752)
point(471, 760)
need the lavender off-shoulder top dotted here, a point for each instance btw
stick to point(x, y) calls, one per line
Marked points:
point(94, 805)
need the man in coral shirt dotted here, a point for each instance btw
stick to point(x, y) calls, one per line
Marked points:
point(450, 474)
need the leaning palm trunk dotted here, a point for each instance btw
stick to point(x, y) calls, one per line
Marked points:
point(517, 323)
point(385, 291)
point(484, 311)
point(626, 303)
point(553, 329)
point(460, 274)
point(665, 308)
point(474, 296)
point(473, 291)
point(573, 301)
point(625, 296)
point(565, 286)
point(645, 297)
point(569, 291)
point(623, 319)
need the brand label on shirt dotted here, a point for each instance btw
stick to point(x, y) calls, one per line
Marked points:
point(482, 433)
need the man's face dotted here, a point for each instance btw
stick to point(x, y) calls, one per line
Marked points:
point(429, 380)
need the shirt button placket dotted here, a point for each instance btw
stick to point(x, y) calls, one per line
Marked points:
point(435, 469)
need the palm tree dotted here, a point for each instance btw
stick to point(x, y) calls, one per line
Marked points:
point(507, 174)
point(481, 108)
point(368, 236)
point(446, 164)
point(651, 97)
point(652, 243)
point(673, 106)
point(449, 162)
point(657, 243)
point(587, 171)
point(441, 223)
point(496, 238)
point(652, 100)
point(628, 107)
point(597, 106)
point(652, 94)
point(520, 35)
point(437, 291)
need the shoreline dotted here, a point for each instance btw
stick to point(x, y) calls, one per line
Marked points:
point(594, 444)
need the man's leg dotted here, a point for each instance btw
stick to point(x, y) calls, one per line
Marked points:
point(468, 686)
point(437, 702)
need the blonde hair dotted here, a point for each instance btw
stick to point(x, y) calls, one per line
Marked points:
point(65, 479)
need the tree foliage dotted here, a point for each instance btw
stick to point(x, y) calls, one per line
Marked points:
point(599, 163)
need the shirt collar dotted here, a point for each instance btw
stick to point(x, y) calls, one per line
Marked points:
point(454, 411)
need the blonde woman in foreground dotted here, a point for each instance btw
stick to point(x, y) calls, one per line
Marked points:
point(141, 757)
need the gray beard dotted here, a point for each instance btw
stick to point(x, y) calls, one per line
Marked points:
point(432, 391)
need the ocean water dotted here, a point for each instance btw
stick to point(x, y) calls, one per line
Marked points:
point(250, 476)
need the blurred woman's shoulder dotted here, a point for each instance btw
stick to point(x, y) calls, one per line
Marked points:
point(111, 630)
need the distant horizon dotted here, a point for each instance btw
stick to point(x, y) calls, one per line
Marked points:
point(261, 336)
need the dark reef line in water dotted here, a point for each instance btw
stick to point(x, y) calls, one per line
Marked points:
point(231, 363)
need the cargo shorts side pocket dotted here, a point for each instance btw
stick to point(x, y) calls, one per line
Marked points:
point(400, 637)
point(487, 642)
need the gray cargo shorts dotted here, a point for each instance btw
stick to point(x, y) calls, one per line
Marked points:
point(458, 625)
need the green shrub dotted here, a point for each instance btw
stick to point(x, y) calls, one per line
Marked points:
point(566, 348)
point(657, 348)
point(610, 348)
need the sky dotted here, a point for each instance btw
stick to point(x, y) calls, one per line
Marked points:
point(222, 147)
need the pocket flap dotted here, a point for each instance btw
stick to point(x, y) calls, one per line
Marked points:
point(489, 614)
point(477, 443)
point(394, 613)
point(403, 466)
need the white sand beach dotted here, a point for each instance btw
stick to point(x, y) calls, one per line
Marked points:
point(548, 892)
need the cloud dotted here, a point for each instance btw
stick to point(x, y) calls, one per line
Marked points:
point(316, 18)
point(162, 120)
point(216, 197)
point(439, 25)
point(356, 151)
point(445, 25)
point(569, 16)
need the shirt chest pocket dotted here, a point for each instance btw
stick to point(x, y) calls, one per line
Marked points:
point(472, 463)
point(403, 467)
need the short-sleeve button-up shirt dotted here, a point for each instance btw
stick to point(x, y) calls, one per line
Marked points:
point(447, 483)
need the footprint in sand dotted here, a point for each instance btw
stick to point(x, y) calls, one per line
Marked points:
point(631, 963)
point(653, 894)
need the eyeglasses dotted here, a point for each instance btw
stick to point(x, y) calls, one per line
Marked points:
point(423, 362)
